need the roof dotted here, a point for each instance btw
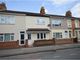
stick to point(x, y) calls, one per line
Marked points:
point(38, 29)
point(36, 14)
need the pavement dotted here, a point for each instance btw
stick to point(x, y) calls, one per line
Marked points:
point(21, 51)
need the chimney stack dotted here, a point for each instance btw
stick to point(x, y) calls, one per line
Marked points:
point(2, 6)
point(42, 10)
point(68, 14)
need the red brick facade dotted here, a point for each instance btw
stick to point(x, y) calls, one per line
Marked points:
point(2, 6)
point(73, 25)
point(42, 11)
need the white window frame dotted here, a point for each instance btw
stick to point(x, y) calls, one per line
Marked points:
point(10, 37)
point(69, 24)
point(7, 20)
point(56, 23)
point(55, 35)
point(29, 36)
point(40, 21)
point(76, 23)
point(3, 38)
point(42, 35)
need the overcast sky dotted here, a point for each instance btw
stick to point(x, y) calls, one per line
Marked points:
point(56, 7)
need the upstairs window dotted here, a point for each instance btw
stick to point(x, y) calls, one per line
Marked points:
point(76, 23)
point(4, 19)
point(40, 21)
point(69, 23)
point(56, 23)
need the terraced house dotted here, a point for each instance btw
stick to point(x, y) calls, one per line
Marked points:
point(27, 29)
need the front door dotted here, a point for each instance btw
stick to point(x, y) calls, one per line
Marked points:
point(22, 38)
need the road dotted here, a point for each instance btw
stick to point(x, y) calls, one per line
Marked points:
point(67, 54)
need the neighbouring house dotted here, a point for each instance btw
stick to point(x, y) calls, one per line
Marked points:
point(21, 29)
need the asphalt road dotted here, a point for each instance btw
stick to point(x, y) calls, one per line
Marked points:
point(67, 54)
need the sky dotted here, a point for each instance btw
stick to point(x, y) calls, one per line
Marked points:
point(55, 7)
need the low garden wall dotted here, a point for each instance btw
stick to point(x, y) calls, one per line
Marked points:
point(43, 42)
point(15, 44)
point(12, 44)
point(54, 42)
point(63, 41)
point(9, 44)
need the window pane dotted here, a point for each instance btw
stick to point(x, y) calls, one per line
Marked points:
point(54, 35)
point(44, 35)
point(69, 23)
point(6, 37)
point(12, 37)
point(38, 36)
point(40, 21)
point(57, 35)
point(2, 20)
point(29, 36)
point(22, 36)
point(56, 22)
point(1, 37)
point(22, 32)
point(41, 35)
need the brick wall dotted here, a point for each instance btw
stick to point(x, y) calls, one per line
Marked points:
point(12, 44)
point(9, 44)
point(15, 44)
point(54, 42)
point(43, 42)
point(75, 40)
point(63, 41)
